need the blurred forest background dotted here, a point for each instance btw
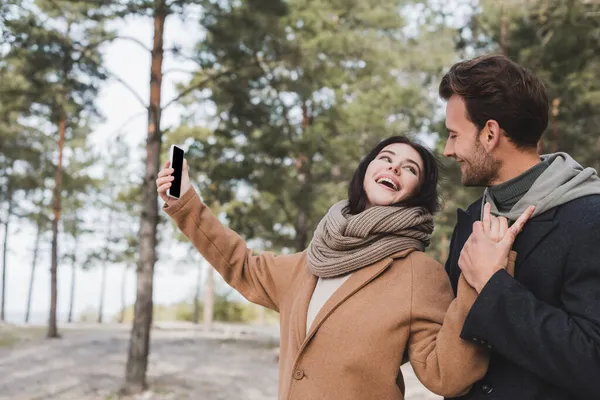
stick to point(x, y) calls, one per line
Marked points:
point(274, 101)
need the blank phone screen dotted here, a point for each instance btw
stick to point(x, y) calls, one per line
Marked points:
point(177, 165)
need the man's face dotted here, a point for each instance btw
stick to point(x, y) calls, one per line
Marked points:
point(477, 166)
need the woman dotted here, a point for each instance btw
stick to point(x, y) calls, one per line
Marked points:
point(362, 294)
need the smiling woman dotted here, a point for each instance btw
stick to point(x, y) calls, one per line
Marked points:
point(396, 172)
point(363, 294)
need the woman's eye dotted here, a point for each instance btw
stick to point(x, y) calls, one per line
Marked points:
point(388, 159)
point(412, 169)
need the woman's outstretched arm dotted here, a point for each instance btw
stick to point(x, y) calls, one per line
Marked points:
point(262, 279)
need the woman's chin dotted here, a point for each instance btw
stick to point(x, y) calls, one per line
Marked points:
point(382, 201)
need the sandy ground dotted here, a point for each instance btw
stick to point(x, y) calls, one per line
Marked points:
point(186, 362)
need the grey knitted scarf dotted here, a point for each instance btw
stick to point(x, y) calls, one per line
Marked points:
point(343, 243)
point(563, 181)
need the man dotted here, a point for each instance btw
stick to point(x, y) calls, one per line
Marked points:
point(542, 326)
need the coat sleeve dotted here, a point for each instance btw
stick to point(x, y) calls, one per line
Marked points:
point(262, 279)
point(446, 364)
point(559, 344)
point(451, 258)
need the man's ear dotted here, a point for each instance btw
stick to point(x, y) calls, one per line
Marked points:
point(490, 135)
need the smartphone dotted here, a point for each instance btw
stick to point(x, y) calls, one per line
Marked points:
point(176, 158)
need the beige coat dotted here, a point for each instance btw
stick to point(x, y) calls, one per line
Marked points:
point(356, 343)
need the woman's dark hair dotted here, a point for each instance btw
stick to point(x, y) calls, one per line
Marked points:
point(426, 197)
point(494, 87)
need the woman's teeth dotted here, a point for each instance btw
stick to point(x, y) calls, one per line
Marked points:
point(388, 182)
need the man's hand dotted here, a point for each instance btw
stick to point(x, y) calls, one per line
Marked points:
point(486, 251)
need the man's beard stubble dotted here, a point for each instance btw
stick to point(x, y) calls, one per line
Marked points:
point(481, 169)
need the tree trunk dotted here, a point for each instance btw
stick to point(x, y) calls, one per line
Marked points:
point(4, 253)
point(104, 266)
point(102, 290)
point(52, 328)
point(123, 289)
point(36, 248)
point(209, 296)
point(304, 199)
point(139, 344)
point(73, 280)
point(196, 318)
point(301, 231)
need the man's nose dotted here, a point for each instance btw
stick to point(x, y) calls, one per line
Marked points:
point(448, 149)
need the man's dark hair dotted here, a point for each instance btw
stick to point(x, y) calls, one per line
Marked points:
point(426, 197)
point(494, 87)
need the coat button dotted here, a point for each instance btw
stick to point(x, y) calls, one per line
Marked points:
point(487, 388)
point(298, 374)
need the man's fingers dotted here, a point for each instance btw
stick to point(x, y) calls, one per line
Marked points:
point(520, 223)
point(503, 226)
point(495, 229)
point(478, 227)
point(486, 221)
point(517, 227)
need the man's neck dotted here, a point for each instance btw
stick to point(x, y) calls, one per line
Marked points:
point(516, 166)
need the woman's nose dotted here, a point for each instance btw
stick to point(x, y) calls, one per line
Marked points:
point(394, 169)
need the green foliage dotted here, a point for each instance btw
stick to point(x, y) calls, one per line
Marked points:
point(302, 91)
point(55, 53)
point(559, 40)
point(50, 70)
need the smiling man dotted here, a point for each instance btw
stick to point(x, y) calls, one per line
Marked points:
point(542, 326)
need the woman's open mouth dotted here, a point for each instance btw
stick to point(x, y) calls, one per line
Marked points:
point(388, 183)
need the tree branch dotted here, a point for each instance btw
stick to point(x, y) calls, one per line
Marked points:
point(197, 86)
point(177, 53)
point(136, 41)
point(213, 78)
point(129, 88)
point(171, 70)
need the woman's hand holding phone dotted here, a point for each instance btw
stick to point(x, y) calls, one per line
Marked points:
point(165, 177)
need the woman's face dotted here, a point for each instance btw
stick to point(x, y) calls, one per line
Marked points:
point(393, 176)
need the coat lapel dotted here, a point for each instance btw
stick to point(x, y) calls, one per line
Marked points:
point(357, 281)
point(464, 224)
point(533, 233)
point(464, 219)
point(300, 308)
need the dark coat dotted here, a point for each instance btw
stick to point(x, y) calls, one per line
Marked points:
point(543, 326)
